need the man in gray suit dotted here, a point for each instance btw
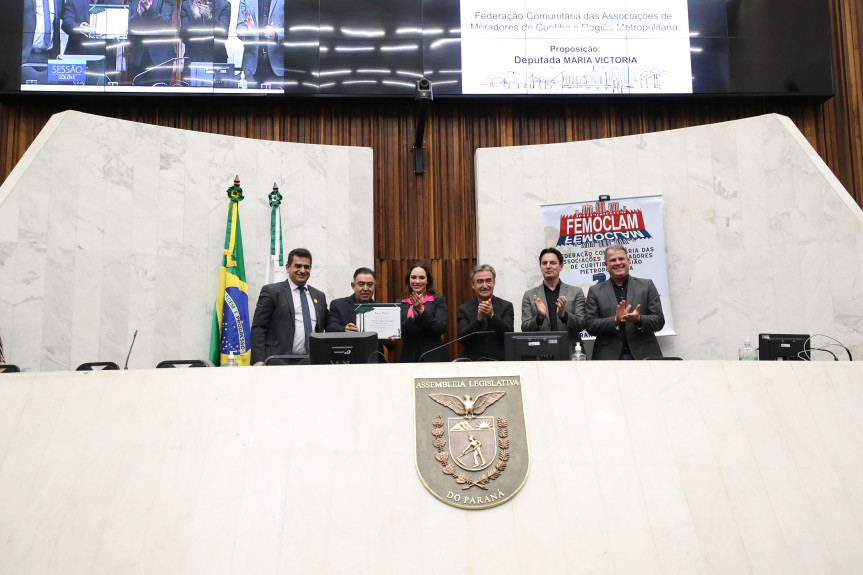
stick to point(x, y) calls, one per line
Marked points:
point(623, 312)
point(288, 311)
point(553, 305)
point(261, 26)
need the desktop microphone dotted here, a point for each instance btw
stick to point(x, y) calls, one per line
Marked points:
point(148, 70)
point(126, 366)
point(453, 341)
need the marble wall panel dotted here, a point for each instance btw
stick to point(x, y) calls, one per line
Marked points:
point(360, 221)
point(7, 282)
point(114, 330)
point(751, 184)
point(57, 321)
point(729, 232)
point(87, 295)
point(109, 226)
point(756, 227)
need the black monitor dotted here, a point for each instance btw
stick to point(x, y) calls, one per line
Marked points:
point(783, 347)
point(536, 346)
point(343, 347)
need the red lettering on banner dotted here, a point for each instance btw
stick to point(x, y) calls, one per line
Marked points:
point(599, 220)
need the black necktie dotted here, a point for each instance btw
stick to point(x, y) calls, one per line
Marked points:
point(307, 317)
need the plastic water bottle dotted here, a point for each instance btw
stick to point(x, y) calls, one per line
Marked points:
point(243, 84)
point(746, 352)
point(231, 361)
point(578, 355)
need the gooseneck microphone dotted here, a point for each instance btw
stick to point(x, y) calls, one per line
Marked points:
point(126, 366)
point(472, 334)
point(148, 70)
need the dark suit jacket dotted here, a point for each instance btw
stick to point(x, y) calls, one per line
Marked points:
point(30, 28)
point(276, 17)
point(485, 346)
point(205, 50)
point(424, 333)
point(342, 312)
point(602, 307)
point(75, 12)
point(157, 17)
point(273, 324)
point(574, 309)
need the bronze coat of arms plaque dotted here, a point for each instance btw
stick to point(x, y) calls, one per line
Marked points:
point(471, 439)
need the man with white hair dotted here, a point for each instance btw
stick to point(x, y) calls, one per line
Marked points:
point(484, 319)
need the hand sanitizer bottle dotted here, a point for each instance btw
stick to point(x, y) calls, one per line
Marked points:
point(231, 361)
point(578, 355)
point(243, 84)
point(747, 352)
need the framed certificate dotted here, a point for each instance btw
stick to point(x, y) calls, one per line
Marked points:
point(384, 318)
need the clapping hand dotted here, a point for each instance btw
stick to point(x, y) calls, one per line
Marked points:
point(417, 304)
point(561, 306)
point(625, 313)
point(485, 310)
point(541, 310)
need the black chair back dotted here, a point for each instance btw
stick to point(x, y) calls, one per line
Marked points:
point(287, 360)
point(97, 366)
point(184, 363)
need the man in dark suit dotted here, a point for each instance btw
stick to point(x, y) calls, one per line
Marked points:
point(149, 20)
point(204, 29)
point(288, 311)
point(623, 312)
point(76, 23)
point(40, 40)
point(553, 305)
point(343, 316)
point(484, 313)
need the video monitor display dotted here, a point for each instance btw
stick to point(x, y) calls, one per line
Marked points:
point(464, 47)
point(536, 346)
point(783, 347)
point(343, 347)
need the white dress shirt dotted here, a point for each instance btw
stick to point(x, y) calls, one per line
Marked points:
point(299, 346)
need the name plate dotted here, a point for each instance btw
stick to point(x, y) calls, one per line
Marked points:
point(67, 71)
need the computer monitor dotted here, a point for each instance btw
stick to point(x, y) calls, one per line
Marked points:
point(783, 346)
point(536, 346)
point(211, 75)
point(343, 347)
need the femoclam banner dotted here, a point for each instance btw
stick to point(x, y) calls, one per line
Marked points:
point(582, 231)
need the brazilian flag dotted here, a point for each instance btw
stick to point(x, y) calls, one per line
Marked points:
point(231, 325)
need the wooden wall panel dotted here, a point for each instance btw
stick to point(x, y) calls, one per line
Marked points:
point(433, 217)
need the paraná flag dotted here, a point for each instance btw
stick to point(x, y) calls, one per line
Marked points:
point(276, 260)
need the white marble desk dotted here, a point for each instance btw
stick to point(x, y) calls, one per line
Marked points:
point(656, 467)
